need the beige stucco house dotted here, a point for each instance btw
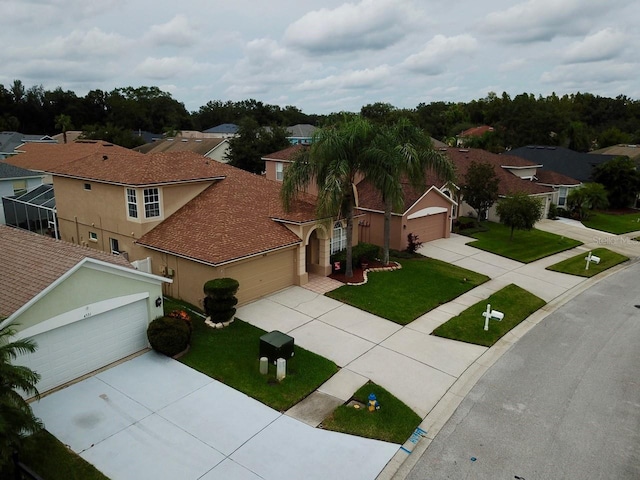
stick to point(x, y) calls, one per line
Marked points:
point(190, 219)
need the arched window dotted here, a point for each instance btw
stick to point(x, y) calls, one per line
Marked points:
point(338, 238)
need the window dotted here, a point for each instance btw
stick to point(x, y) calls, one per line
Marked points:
point(87, 186)
point(113, 243)
point(19, 187)
point(151, 203)
point(93, 236)
point(279, 171)
point(562, 196)
point(132, 203)
point(339, 238)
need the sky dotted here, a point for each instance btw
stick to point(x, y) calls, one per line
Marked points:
point(327, 56)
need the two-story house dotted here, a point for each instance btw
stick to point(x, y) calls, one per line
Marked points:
point(190, 219)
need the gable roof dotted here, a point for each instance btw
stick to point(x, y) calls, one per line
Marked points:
point(201, 146)
point(549, 177)
point(304, 130)
point(286, 155)
point(11, 171)
point(568, 162)
point(476, 131)
point(509, 183)
point(230, 220)
point(228, 128)
point(45, 157)
point(133, 168)
point(32, 262)
point(620, 150)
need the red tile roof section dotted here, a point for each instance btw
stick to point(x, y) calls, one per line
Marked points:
point(286, 155)
point(31, 262)
point(476, 131)
point(509, 183)
point(47, 156)
point(232, 219)
point(548, 177)
point(134, 168)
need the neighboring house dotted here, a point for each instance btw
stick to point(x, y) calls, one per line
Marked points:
point(515, 175)
point(84, 309)
point(224, 130)
point(301, 134)
point(475, 132)
point(15, 181)
point(11, 141)
point(562, 160)
point(72, 136)
point(620, 150)
point(213, 148)
point(194, 219)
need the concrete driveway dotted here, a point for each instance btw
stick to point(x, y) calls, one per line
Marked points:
point(153, 417)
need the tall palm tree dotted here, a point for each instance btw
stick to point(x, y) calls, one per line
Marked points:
point(402, 151)
point(334, 159)
point(16, 418)
point(63, 122)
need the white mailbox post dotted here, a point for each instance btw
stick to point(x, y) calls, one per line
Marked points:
point(591, 258)
point(491, 314)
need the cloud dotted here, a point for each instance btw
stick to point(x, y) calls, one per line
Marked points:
point(351, 79)
point(439, 52)
point(603, 45)
point(177, 32)
point(543, 20)
point(585, 77)
point(368, 25)
point(94, 43)
point(167, 67)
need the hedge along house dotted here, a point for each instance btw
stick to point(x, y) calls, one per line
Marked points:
point(85, 309)
point(191, 219)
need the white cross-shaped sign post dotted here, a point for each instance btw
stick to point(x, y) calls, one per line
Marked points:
point(491, 314)
point(591, 258)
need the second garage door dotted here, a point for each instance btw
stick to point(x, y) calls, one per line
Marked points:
point(68, 352)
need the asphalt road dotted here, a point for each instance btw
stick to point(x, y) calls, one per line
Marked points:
point(562, 403)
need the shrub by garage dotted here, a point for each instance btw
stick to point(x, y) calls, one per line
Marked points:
point(169, 335)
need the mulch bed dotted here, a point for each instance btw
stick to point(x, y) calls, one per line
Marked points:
point(358, 275)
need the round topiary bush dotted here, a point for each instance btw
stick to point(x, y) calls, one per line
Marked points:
point(169, 335)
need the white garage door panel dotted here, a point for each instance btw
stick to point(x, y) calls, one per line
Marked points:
point(68, 352)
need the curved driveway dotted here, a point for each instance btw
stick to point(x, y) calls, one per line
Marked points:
point(563, 402)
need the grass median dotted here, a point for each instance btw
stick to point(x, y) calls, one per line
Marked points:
point(577, 265)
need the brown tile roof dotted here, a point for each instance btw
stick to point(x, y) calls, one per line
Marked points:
point(31, 262)
point(197, 145)
point(548, 177)
point(45, 157)
point(286, 155)
point(476, 131)
point(133, 168)
point(509, 183)
point(370, 198)
point(232, 219)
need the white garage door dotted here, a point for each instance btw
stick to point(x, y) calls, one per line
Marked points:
point(70, 351)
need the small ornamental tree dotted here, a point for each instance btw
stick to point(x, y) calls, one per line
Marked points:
point(220, 300)
point(480, 188)
point(519, 211)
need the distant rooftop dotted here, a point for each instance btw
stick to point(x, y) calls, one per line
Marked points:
point(227, 128)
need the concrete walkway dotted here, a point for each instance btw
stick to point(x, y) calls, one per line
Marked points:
point(430, 374)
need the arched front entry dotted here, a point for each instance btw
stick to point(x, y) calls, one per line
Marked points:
point(317, 254)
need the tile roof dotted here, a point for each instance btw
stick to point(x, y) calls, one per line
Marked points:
point(548, 177)
point(197, 145)
point(45, 157)
point(31, 262)
point(631, 151)
point(133, 168)
point(231, 219)
point(509, 183)
point(476, 131)
point(286, 155)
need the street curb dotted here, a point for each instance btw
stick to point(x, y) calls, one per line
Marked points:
point(401, 464)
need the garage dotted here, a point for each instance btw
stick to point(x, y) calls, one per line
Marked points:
point(74, 349)
point(430, 223)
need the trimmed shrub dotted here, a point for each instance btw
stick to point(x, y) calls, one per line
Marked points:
point(220, 300)
point(413, 243)
point(553, 211)
point(169, 335)
point(361, 252)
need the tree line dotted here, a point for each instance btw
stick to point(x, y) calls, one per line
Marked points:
point(580, 121)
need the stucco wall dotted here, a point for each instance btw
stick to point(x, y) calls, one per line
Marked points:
point(84, 287)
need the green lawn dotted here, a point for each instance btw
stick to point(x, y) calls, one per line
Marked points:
point(516, 304)
point(230, 355)
point(48, 457)
point(403, 295)
point(393, 422)
point(612, 223)
point(526, 246)
point(576, 265)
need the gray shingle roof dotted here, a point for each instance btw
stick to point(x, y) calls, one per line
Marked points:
point(223, 128)
point(11, 171)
